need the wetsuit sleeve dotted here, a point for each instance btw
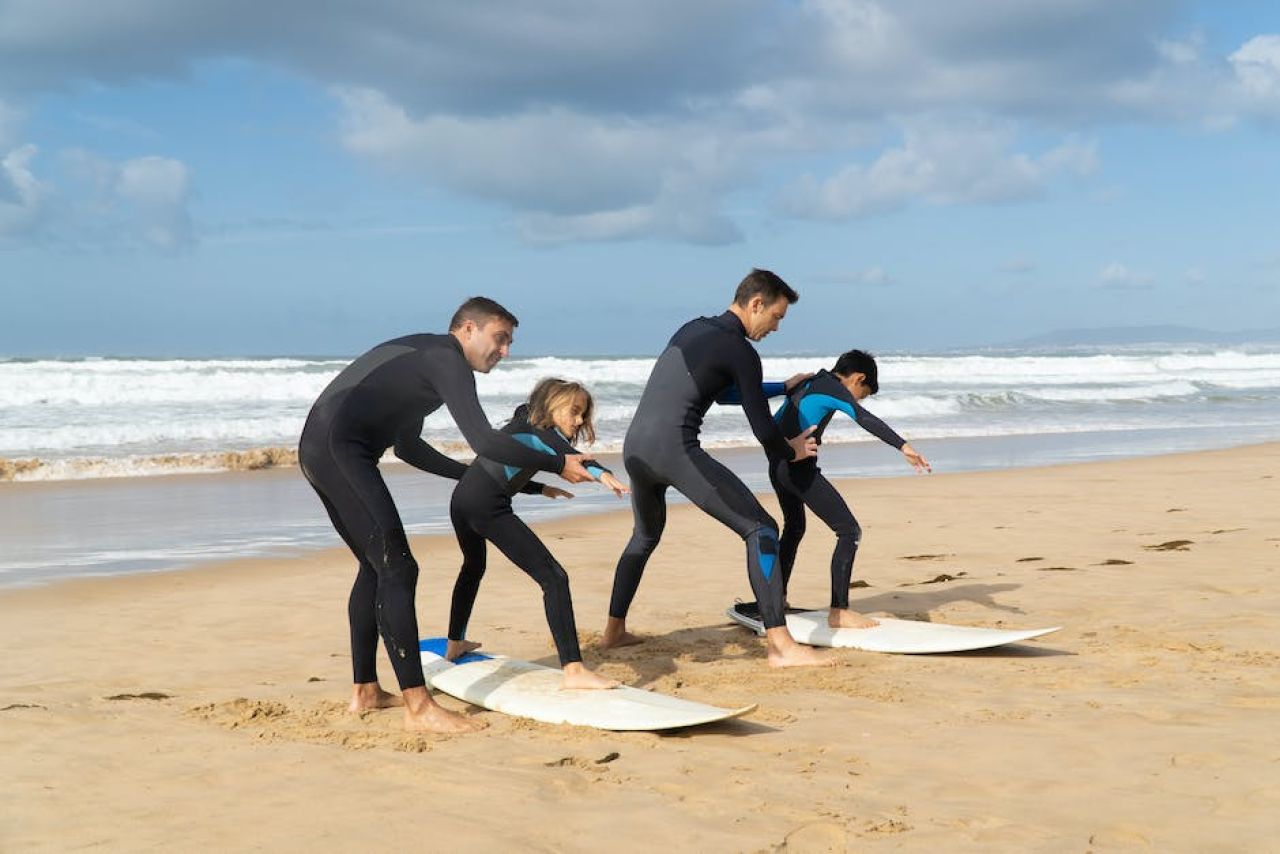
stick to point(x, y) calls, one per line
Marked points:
point(413, 450)
point(456, 385)
point(876, 427)
point(560, 445)
point(747, 377)
point(770, 389)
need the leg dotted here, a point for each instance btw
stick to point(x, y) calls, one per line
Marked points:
point(523, 548)
point(793, 519)
point(649, 514)
point(366, 517)
point(467, 586)
point(829, 506)
point(719, 492)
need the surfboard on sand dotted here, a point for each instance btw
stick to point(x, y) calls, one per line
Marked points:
point(897, 636)
point(529, 690)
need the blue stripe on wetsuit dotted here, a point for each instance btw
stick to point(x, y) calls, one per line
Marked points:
point(733, 395)
point(537, 444)
point(815, 407)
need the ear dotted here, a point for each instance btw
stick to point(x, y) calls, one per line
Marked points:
point(756, 303)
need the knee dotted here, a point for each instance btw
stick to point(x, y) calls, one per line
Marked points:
point(643, 543)
point(849, 530)
point(554, 580)
point(389, 553)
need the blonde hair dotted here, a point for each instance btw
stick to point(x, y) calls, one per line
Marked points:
point(552, 393)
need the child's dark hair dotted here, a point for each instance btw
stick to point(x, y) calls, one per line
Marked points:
point(859, 362)
point(550, 394)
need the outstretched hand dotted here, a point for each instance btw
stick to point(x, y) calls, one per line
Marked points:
point(916, 459)
point(573, 470)
point(619, 488)
point(805, 445)
point(555, 492)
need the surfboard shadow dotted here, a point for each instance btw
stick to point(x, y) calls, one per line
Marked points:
point(657, 656)
point(909, 604)
point(1011, 650)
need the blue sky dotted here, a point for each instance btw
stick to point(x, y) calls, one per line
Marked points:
point(205, 178)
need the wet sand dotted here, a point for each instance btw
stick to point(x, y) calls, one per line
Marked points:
point(205, 708)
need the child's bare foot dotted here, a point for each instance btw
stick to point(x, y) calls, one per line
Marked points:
point(616, 634)
point(366, 696)
point(423, 714)
point(578, 676)
point(785, 652)
point(843, 618)
point(455, 649)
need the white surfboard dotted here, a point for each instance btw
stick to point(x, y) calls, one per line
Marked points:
point(896, 636)
point(529, 690)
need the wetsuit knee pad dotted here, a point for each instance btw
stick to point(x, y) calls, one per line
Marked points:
point(762, 549)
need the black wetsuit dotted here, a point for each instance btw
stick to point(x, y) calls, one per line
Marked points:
point(481, 510)
point(704, 360)
point(812, 403)
point(377, 402)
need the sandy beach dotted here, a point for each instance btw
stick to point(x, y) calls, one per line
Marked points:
point(204, 709)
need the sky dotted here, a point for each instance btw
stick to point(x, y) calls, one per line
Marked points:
point(223, 177)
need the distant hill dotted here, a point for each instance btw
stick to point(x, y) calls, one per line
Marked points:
point(1146, 335)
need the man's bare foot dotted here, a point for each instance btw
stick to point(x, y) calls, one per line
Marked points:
point(455, 649)
point(576, 675)
point(423, 714)
point(843, 618)
point(785, 652)
point(366, 696)
point(616, 634)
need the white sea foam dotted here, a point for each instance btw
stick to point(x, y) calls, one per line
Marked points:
point(107, 416)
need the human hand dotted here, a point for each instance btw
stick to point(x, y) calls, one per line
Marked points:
point(554, 492)
point(916, 459)
point(794, 381)
point(619, 488)
point(804, 445)
point(574, 471)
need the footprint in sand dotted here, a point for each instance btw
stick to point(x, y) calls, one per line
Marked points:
point(924, 557)
point(1028, 559)
point(1171, 546)
point(1115, 561)
point(145, 695)
point(1055, 569)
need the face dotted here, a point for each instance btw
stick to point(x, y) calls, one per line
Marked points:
point(568, 416)
point(484, 346)
point(857, 385)
point(763, 318)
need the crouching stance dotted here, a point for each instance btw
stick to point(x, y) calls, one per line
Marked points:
point(557, 414)
point(809, 407)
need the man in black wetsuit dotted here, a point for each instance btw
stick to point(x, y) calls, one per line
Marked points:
point(379, 401)
point(706, 358)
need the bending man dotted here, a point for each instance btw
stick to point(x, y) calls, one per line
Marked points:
point(379, 401)
point(704, 361)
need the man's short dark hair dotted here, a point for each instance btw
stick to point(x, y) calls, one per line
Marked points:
point(859, 362)
point(768, 285)
point(481, 310)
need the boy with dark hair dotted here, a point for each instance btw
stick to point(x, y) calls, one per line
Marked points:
point(810, 406)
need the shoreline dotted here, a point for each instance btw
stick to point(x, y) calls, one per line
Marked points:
point(135, 705)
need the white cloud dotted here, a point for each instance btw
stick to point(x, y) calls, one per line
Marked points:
point(1257, 67)
point(22, 196)
point(98, 203)
point(1117, 276)
point(941, 164)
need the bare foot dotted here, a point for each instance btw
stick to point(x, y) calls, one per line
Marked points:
point(366, 696)
point(423, 714)
point(616, 634)
point(785, 652)
point(455, 649)
point(843, 618)
point(578, 676)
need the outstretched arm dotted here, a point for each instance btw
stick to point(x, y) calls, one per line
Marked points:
point(456, 384)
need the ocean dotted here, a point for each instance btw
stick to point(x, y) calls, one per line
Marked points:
point(101, 433)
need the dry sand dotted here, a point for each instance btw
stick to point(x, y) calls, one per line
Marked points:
point(203, 709)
